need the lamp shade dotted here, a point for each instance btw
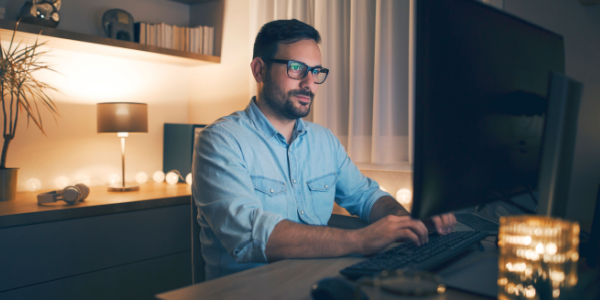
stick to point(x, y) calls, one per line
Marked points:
point(122, 117)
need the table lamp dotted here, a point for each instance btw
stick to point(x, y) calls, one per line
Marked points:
point(122, 118)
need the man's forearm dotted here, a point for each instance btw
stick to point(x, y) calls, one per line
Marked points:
point(386, 206)
point(293, 240)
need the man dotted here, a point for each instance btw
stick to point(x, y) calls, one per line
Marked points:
point(265, 180)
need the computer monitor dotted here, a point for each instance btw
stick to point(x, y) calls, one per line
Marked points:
point(481, 97)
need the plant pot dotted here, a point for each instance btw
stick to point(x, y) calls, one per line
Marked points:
point(8, 184)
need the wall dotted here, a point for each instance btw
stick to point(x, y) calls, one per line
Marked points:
point(580, 27)
point(219, 90)
point(72, 147)
point(85, 16)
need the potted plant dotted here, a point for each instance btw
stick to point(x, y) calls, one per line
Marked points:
point(21, 95)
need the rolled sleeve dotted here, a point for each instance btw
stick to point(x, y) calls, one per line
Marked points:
point(224, 194)
point(354, 191)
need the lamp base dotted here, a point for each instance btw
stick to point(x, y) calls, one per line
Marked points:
point(126, 188)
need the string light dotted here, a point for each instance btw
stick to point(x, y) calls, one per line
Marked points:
point(172, 178)
point(141, 177)
point(404, 196)
point(33, 184)
point(188, 179)
point(158, 176)
point(114, 179)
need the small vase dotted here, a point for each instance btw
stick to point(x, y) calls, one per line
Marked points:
point(8, 184)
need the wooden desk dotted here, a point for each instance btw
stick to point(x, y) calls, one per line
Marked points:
point(113, 245)
point(293, 278)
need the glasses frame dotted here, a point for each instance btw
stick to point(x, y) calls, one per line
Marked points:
point(308, 69)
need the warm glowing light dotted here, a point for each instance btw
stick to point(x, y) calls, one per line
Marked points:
point(382, 188)
point(33, 184)
point(85, 180)
point(575, 256)
point(404, 196)
point(114, 179)
point(172, 178)
point(556, 293)
point(539, 248)
point(61, 182)
point(188, 179)
point(530, 253)
point(158, 176)
point(141, 177)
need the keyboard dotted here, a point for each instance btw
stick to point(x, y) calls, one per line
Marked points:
point(408, 256)
point(478, 223)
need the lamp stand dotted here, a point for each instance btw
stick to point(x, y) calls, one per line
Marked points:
point(123, 187)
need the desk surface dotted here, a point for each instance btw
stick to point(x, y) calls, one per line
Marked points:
point(292, 279)
point(25, 210)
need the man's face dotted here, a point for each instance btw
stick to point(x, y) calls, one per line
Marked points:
point(291, 98)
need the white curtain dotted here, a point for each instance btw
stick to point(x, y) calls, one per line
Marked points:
point(365, 44)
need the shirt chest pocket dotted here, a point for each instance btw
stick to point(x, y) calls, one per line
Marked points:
point(272, 194)
point(322, 191)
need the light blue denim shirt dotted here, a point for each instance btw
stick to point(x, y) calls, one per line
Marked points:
point(247, 178)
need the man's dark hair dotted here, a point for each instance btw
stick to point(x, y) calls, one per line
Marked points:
point(282, 31)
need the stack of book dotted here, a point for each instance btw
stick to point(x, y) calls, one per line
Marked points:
point(196, 40)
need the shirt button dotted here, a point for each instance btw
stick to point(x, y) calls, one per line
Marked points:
point(301, 212)
point(294, 181)
point(272, 190)
point(326, 186)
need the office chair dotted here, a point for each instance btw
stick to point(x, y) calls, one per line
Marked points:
point(197, 259)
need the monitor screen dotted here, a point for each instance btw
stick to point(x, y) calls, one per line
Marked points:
point(481, 85)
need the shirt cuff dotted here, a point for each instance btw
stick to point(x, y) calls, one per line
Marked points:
point(376, 195)
point(254, 250)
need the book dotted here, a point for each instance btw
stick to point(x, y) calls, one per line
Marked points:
point(143, 33)
point(200, 40)
point(205, 40)
point(136, 32)
point(211, 40)
point(192, 38)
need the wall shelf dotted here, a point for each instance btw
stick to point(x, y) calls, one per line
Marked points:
point(74, 41)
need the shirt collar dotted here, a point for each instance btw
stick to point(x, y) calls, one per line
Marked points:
point(265, 126)
point(259, 119)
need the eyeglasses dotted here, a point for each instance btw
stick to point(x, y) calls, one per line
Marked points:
point(299, 70)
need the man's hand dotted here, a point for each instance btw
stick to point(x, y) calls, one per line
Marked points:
point(390, 229)
point(443, 224)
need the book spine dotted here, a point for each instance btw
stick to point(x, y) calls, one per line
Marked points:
point(211, 41)
point(143, 33)
point(188, 39)
point(206, 35)
point(200, 40)
point(136, 32)
point(192, 38)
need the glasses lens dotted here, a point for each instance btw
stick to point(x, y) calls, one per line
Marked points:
point(320, 78)
point(296, 69)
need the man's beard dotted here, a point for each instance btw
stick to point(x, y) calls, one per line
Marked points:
point(281, 103)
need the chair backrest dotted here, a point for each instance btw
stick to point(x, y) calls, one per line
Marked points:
point(197, 259)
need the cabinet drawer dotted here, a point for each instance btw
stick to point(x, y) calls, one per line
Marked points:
point(141, 280)
point(39, 253)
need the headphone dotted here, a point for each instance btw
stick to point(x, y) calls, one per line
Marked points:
point(70, 194)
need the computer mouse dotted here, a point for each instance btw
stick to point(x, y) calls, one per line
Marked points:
point(335, 288)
